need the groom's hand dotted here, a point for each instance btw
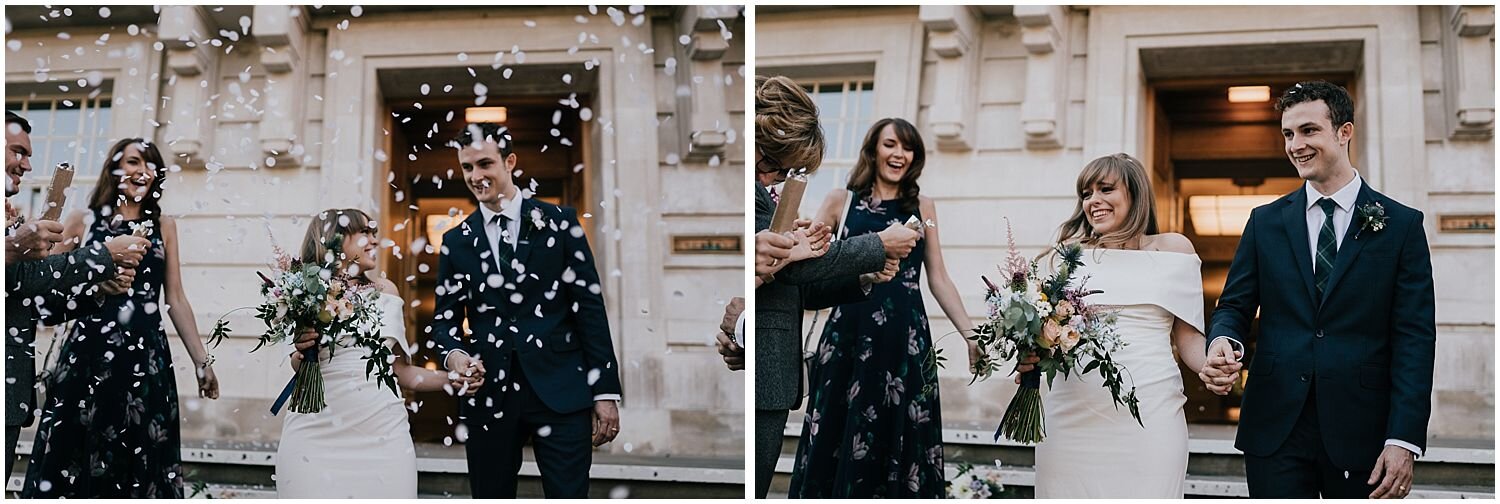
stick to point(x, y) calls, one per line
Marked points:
point(1223, 367)
point(606, 421)
point(1393, 471)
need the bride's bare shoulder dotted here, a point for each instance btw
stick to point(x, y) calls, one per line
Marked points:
point(385, 285)
point(1169, 242)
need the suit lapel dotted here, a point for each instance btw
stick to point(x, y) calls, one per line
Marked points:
point(1294, 221)
point(523, 243)
point(1350, 250)
point(478, 240)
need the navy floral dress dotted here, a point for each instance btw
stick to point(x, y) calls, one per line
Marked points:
point(872, 427)
point(109, 426)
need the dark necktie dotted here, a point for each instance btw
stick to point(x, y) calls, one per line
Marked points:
point(1328, 247)
point(775, 198)
point(504, 249)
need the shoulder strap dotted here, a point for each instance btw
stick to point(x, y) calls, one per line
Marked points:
point(844, 217)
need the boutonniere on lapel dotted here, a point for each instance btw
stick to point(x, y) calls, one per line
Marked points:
point(1371, 217)
point(537, 223)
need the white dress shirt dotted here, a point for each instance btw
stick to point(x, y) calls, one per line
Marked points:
point(1343, 214)
point(511, 209)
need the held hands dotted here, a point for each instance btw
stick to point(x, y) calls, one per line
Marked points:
point(127, 250)
point(898, 240)
point(32, 240)
point(1223, 367)
point(120, 284)
point(1393, 470)
point(606, 421)
point(771, 252)
point(886, 274)
point(465, 374)
point(812, 240)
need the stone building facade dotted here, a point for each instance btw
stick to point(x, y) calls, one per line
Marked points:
point(1012, 101)
point(269, 114)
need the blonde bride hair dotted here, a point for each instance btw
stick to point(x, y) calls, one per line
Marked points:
point(325, 234)
point(1140, 221)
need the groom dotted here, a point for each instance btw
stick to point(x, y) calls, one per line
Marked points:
point(1339, 392)
point(521, 273)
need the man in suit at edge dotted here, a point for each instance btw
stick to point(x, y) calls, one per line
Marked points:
point(1340, 388)
point(538, 328)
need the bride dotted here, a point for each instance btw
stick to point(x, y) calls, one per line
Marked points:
point(1094, 449)
point(359, 445)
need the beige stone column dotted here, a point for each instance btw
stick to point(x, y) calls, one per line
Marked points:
point(953, 34)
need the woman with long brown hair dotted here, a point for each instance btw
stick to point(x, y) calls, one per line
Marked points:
point(110, 426)
point(873, 426)
point(1154, 283)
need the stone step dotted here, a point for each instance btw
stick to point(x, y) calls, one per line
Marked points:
point(1448, 462)
point(1021, 480)
point(247, 469)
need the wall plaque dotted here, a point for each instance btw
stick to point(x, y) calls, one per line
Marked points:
point(707, 244)
point(1466, 223)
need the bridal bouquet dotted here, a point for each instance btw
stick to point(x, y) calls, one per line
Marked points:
point(1047, 316)
point(311, 295)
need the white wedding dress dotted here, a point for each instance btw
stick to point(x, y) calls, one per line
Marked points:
point(1093, 450)
point(360, 444)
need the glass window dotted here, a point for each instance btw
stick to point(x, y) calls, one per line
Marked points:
point(846, 108)
point(72, 129)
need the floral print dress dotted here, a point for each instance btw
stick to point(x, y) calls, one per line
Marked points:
point(109, 425)
point(872, 427)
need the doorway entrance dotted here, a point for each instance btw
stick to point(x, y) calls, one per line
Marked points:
point(1215, 152)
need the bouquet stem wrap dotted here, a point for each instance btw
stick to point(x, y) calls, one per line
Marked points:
point(1023, 417)
point(305, 389)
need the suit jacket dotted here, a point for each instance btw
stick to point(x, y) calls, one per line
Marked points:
point(1366, 346)
point(42, 289)
point(810, 284)
point(548, 312)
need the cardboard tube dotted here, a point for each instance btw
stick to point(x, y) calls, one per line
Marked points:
point(791, 199)
point(62, 177)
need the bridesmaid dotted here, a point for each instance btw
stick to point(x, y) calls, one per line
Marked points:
point(109, 428)
point(873, 428)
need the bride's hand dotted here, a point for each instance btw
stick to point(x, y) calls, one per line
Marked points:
point(208, 383)
point(975, 357)
point(1027, 364)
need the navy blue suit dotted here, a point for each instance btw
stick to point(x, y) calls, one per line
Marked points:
point(1334, 377)
point(539, 325)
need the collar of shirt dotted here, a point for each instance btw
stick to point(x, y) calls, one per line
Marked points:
point(510, 208)
point(1344, 197)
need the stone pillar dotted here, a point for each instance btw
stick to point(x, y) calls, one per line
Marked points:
point(953, 34)
point(1469, 71)
point(1044, 32)
point(192, 77)
point(706, 117)
point(282, 33)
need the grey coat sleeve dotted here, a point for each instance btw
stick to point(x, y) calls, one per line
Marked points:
point(845, 258)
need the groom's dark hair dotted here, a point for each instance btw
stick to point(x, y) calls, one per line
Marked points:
point(478, 132)
point(1340, 106)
